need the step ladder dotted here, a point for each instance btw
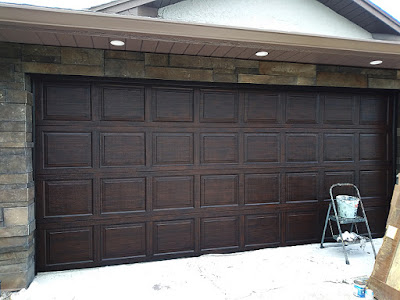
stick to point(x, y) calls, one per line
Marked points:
point(334, 217)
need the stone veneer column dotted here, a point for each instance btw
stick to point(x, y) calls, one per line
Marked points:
point(17, 218)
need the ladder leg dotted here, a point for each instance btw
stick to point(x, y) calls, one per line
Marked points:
point(343, 246)
point(370, 236)
point(326, 224)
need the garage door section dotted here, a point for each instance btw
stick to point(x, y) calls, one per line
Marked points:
point(130, 172)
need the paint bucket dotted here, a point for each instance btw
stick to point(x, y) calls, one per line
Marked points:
point(359, 288)
point(347, 206)
point(369, 294)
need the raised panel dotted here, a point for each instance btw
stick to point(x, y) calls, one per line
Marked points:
point(174, 237)
point(219, 233)
point(302, 187)
point(172, 105)
point(219, 148)
point(219, 190)
point(68, 198)
point(66, 102)
point(339, 109)
point(262, 147)
point(123, 241)
point(377, 217)
point(301, 227)
point(263, 107)
point(339, 147)
point(173, 148)
point(262, 188)
point(219, 106)
point(123, 195)
point(331, 178)
point(301, 148)
point(373, 146)
point(69, 246)
point(302, 109)
point(262, 230)
point(173, 192)
point(123, 104)
point(373, 183)
point(373, 110)
point(122, 149)
point(67, 150)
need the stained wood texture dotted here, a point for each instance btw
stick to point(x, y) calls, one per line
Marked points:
point(130, 172)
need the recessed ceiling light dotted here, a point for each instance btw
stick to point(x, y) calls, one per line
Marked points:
point(376, 62)
point(262, 53)
point(117, 43)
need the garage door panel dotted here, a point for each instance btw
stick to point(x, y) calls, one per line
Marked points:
point(302, 147)
point(172, 105)
point(265, 107)
point(219, 148)
point(219, 233)
point(302, 108)
point(301, 227)
point(339, 147)
point(123, 241)
point(123, 195)
point(217, 190)
point(67, 150)
point(262, 189)
point(373, 183)
point(70, 102)
point(373, 146)
point(340, 109)
point(69, 246)
point(174, 237)
point(219, 106)
point(64, 198)
point(333, 177)
point(262, 230)
point(173, 192)
point(122, 103)
point(301, 187)
point(122, 149)
point(373, 110)
point(173, 148)
point(262, 147)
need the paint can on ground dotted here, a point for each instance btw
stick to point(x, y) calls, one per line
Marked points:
point(359, 288)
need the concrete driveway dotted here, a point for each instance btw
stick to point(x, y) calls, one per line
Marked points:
point(299, 272)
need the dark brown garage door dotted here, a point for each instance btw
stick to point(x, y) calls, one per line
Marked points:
point(130, 172)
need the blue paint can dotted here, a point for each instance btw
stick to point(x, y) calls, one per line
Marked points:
point(359, 288)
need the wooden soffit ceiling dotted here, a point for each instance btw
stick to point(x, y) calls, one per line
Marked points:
point(68, 28)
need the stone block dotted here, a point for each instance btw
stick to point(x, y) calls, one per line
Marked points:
point(17, 256)
point(40, 50)
point(12, 85)
point(222, 77)
point(342, 80)
point(198, 62)
point(14, 216)
point(16, 178)
point(15, 244)
point(14, 126)
point(82, 56)
point(398, 74)
point(7, 72)
point(17, 195)
point(380, 73)
point(156, 60)
point(10, 50)
point(15, 137)
point(306, 81)
point(126, 55)
point(3, 95)
point(267, 79)
point(13, 112)
point(17, 281)
point(179, 74)
point(124, 68)
point(247, 63)
point(378, 83)
point(17, 230)
point(19, 96)
point(288, 69)
point(254, 71)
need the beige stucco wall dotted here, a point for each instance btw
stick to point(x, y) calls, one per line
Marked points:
point(17, 218)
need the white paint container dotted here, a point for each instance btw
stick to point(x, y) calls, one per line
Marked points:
point(347, 206)
point(369, 294)
point(359, 288)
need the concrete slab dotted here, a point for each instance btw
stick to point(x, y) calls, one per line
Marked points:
point(298, 272)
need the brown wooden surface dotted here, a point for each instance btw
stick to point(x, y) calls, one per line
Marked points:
point(139, 171)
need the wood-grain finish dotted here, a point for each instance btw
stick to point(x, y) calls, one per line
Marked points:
point(136, 171)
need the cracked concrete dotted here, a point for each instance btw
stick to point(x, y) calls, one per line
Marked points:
point(298, 272)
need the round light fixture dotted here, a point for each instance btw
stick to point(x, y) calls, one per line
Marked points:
point(117, 43)
point(262, 53)
point(375, 62)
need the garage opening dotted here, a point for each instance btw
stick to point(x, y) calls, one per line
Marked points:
point(145, 170)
